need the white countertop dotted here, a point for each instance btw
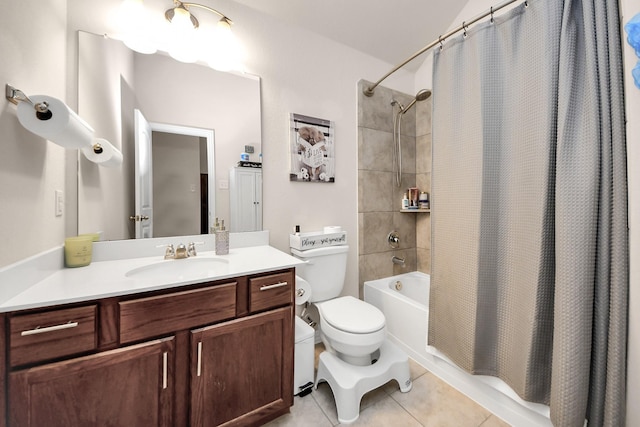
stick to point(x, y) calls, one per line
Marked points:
point(108, 278)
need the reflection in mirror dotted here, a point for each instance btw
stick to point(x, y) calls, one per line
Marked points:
point(113, 82)
point(174, 179)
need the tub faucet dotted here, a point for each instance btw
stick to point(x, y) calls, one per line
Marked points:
point(397, 260)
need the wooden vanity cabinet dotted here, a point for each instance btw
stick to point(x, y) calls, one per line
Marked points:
point(199, 355)
point(241, 370)
point(131, 386)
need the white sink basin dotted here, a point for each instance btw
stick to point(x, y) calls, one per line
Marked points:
point(180, 269)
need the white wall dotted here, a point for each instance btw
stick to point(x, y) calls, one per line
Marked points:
point(31, 168)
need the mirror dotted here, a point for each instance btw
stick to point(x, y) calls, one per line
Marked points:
point(114, 81)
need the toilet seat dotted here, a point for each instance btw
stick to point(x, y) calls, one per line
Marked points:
point(349, 314)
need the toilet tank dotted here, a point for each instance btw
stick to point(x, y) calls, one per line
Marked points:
point(324, 269)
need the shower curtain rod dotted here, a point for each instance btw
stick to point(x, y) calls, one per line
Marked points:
point(368, 91)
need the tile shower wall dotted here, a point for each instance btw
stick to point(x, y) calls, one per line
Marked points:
point(379, 198)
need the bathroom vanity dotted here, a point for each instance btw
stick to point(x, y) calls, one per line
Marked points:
point(187, 352)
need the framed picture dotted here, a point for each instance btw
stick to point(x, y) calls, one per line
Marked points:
point(312, 149)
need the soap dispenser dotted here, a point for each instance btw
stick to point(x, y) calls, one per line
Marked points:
point(222, 240)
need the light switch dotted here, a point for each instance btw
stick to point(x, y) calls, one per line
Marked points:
point(59, 203)
point(223, 184)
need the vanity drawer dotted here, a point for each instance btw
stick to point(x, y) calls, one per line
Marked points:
point(270, 291)
point(52, 334)
point(153, 316)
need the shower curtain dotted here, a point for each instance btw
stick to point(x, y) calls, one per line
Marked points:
point(529, 205)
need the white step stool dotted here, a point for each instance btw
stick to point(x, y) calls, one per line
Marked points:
point(350, 382)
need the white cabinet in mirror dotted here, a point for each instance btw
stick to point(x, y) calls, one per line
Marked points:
point(113, 82)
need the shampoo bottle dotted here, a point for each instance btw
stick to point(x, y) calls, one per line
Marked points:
point(405, 201)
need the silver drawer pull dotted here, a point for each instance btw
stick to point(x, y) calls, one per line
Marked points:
point(276, 285)
point(39, 330)
point(199, 362)
point(165, 362)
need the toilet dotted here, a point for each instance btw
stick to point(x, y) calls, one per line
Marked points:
point(358, 356)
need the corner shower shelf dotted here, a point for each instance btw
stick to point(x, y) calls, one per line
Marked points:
point(415, 210)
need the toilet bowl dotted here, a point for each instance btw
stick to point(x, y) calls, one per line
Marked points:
point(352, 328)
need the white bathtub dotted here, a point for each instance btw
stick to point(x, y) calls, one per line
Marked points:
point(407, 314)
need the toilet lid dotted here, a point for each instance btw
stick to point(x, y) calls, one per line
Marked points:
point(350, 314)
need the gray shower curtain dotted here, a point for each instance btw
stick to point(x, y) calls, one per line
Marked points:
point(529, 206)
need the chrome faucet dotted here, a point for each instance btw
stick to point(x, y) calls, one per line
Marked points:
point(191, 249)
point(181, 252)
point(169, 252)
point(397, 260)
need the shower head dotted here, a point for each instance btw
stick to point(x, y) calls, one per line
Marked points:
point(423, 94)
point(420, 96)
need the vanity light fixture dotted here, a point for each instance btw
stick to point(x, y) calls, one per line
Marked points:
point(224, 50)
point(136, 27)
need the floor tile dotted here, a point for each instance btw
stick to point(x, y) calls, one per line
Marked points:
point(430, 402)
point(434, 403)
point(325, 400)
point(305, 411)
point(494, 421)
point(415, 371)
point(385, 412)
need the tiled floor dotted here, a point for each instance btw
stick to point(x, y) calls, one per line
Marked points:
point(431, 402)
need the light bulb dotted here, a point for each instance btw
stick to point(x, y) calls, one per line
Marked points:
point(181, 21)
point(225, 50)
point(134, 22)
point(182, 44)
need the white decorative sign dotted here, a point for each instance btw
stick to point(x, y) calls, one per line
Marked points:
point(306, 241)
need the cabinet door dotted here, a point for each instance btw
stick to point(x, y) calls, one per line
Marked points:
point(245, 199)
point(258, 201)
point(130, 386)
point(242, 371)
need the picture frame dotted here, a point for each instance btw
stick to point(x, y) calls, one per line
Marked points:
point(312, 149)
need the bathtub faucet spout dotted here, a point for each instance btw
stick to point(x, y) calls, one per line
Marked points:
point(397, 260)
